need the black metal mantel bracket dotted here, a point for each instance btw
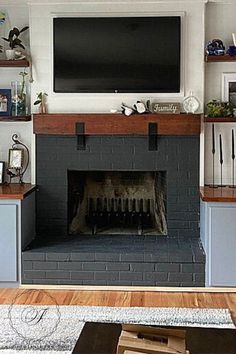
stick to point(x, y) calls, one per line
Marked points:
point(152, 136)
point(80, 132)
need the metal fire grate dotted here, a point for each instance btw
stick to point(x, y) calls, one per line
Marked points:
point(122, 213)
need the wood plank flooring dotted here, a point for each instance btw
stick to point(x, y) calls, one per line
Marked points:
point(122, 298)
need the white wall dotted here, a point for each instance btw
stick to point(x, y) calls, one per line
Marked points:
point(41, 27)
point(220, 23)
point(40, 18)
point(18, 16)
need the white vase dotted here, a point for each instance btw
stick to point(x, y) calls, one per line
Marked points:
point(10, 54)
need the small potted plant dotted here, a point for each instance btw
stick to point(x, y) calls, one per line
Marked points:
point(41, 101)
point(14, 41)
point(218, 109)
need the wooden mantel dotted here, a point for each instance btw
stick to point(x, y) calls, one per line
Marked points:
point(117, 124)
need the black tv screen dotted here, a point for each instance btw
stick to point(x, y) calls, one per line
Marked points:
point(117, 54)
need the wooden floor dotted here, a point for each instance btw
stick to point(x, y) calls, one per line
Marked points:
point(121, 298)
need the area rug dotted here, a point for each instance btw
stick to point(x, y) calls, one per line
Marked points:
point(56, 329)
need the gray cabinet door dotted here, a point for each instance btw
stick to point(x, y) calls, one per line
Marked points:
point(223, 245)
point(8, 243)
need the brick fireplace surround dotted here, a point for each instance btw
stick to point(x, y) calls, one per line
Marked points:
point(122, 144)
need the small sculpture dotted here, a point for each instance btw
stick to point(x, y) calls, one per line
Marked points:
point(148, 106)
point(232, 48)
point(215, 47)
point(140, 107)
point(191, 103)
point(127, 111)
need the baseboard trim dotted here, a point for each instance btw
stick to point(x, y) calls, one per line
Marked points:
point(129, 288)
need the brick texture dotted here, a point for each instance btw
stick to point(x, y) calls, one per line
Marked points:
point(178, 156)
point(175, 260)
point(135, 267)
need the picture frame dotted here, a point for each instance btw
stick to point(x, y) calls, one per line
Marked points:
point(2, 165)
point(228, 90)
point(15, 159)
point(5, 102)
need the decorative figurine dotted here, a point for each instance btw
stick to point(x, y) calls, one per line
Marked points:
point(232, 48)
point(140, 107)
point(148, 106)
point(127, 111)
point(191, 104)
point(215, 47)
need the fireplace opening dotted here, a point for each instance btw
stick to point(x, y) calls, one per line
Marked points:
point(105, 202)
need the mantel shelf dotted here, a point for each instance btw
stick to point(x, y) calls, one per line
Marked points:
point(9, 119)
point(219, 58)
point(219, 120)
point(14, 63)
point(117, 124)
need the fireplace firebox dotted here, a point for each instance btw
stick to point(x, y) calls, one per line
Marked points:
point(117, 203)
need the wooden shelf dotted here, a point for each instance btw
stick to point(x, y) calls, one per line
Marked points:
point(15, 119)
point(14, 63)
point(117, 124)
point(220, 194)
point(219, 58)
point(219, 120)
point(16, 190)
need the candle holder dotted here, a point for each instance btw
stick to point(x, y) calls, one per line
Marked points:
point(221, 162)
point(213, 151)
point(233, 159)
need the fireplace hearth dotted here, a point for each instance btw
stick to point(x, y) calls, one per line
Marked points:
point(116, 213)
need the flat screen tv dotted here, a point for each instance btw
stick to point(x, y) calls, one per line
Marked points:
point(117, 54)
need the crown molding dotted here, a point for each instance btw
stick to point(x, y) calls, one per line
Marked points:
point(111, 2)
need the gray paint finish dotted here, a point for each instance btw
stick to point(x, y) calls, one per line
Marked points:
point(8, 243)
point(173, 260)
point(27, 220)
point(179, 156)
point(116, 260)
point(218, 233)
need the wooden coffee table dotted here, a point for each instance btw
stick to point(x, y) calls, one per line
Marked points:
point(102, 338)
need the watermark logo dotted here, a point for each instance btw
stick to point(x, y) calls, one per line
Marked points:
point(34, 322)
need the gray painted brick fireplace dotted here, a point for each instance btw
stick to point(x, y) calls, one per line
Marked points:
point(175, 259)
